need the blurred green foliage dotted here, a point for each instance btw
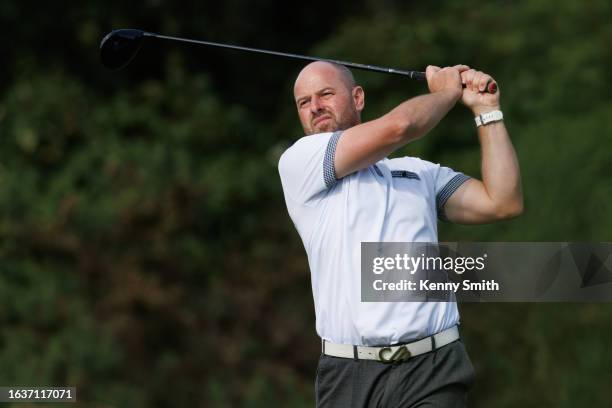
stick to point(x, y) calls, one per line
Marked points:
point(146, 256)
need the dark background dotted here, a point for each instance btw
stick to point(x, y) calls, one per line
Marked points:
point(146, 255)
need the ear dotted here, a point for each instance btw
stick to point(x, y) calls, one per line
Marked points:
point(358, 98)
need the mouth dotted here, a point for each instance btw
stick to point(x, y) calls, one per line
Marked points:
point(320, 119)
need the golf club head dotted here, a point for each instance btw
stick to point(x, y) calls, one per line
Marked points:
point(119, 47)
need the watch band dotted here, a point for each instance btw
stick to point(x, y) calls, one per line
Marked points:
point(488, 117)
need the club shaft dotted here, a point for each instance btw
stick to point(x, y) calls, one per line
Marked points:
point(411, 74)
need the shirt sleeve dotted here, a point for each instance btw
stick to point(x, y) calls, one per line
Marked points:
point(307, 168)
point(447, 182)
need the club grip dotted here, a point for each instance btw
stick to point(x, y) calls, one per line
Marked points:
point(491, 86)
point(419, 76)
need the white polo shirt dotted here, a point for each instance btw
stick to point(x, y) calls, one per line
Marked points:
point(395, 200)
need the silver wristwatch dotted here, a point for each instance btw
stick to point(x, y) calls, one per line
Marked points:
point(489, 117)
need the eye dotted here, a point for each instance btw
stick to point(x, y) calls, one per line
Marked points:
point(303, 103)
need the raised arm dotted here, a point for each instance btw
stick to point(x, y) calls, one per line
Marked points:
point(498, 196)
point(365, 144)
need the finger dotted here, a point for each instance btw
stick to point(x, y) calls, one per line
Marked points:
point(467, 77)
point(461, 67)
point(482, 87)
point(431, 69)
point(446, 69)
point(452, 69)
point(476, 81)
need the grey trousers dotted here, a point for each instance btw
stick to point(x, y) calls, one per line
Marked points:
point(440, 378)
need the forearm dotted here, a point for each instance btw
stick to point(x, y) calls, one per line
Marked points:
point(500, 169)
point(419, 115)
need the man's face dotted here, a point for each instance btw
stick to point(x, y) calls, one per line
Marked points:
point(325, 101)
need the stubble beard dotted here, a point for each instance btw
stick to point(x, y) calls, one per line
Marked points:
point(333, 124)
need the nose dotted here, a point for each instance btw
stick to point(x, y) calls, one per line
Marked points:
point(315, 104)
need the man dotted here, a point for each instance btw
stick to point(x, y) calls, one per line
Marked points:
point(341, 190)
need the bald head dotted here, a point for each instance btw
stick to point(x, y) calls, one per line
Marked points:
point(326, 68)
point(327, 97)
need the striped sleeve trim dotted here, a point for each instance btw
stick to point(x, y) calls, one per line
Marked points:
point(377, 170)
point(448, 191)
point(329, 170)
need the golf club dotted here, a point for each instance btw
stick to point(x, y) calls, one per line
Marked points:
point(119, 47)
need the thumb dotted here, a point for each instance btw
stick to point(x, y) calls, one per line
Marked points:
point(431, 69)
